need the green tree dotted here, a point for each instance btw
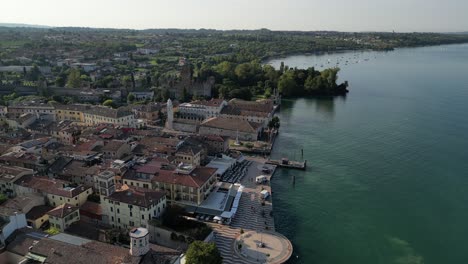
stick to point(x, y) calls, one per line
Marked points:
point(223, 91)
point(52, 231)
point(287, 84)
point(109, 103)
point(165, 95)
point(10, 97)
point(85, 78)
point(74, 79)
point(243, 72)
point(130, 98)
point(203, 253)
point(127, 81)
point(242, 93)
point(268, 92)
point(281, 67)
point(274, 123)
point(185, 95)
point(224, 68)
point(3, 198)
point(33, 74)
point(60, 81)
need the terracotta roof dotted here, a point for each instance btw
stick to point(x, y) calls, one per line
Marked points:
point(235, 110)
point(265, 105)
point(51, 186)
point(109, 112)
point(12, 173)
point(197, 178)
point(231, 124)
point(213, 102)
point(63, 210)
point(58, 252)
point(21, 203)
point(73, 107)
point(79, 168)
point(137, 196)
point(215, 138)
point(91, 207)
point(38, 211)
point(189, 149)
point(4, 147)
point(148, 169)
point(88, 146)
point(113, 145)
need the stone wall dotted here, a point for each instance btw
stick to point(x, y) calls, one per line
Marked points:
point(162, 237)
point(185, 126)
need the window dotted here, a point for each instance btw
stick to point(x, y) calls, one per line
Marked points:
point(112, 219)
point(131, 213)
point(143, 217)
point(118, 210)
point(118, 220)
point(112, 209)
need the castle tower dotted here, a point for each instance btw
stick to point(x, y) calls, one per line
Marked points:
point(170, 114)
point(139, 241)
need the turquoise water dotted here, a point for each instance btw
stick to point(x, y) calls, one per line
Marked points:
point(387, 180)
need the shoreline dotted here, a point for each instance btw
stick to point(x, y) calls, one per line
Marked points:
point(267, 59)
point(254, 219)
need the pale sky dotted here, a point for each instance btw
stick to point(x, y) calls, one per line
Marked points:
point(341, 15)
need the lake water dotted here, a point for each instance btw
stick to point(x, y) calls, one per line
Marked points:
point(387, 180)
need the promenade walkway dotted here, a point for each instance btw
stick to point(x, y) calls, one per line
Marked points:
point(252, 218)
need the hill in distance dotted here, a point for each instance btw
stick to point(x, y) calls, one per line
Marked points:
point(19, 25)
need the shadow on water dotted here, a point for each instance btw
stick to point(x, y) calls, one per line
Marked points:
point(286, 106)
point(285, 222)
point(325, 105)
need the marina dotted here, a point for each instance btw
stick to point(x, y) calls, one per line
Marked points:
point(290, 164)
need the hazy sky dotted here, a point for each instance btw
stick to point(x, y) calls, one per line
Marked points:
point(342, 15)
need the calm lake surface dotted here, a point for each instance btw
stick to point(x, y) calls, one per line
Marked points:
point(387, 180)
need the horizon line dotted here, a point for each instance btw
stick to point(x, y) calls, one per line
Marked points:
point(39, 26)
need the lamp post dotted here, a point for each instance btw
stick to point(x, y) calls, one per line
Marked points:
point(16, 220)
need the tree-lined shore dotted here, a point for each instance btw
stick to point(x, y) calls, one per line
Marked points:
point(150, 60)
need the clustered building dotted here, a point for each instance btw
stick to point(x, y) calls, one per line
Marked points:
point(62, 166)
point(240, 119)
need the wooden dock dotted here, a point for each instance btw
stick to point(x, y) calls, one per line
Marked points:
point(290, 164)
